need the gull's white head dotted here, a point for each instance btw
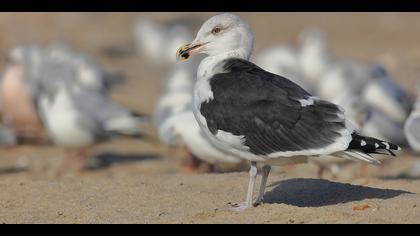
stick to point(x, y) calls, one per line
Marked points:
point(224, 33)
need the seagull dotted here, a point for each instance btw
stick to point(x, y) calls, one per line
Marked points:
point(412, 126)
point(170, 105)
point(386, 96)
point(282, 60)
point(412, 133)
point(344, 77)
point(379, 125)
point(28, 67)
point(262, 117)
point(77, 118)
point(176, 98)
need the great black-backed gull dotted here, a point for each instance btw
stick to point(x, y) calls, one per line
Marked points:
point(260, 116)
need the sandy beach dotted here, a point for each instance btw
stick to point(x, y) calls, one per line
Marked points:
point(140, 181)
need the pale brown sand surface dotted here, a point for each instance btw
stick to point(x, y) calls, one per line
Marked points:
point(146, 186)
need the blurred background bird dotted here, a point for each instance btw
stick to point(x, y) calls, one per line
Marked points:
point(176, 124)
point(44, 86)
point(55, 94)
point(77, 118)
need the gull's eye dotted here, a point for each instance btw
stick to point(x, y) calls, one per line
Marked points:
point(216, 30)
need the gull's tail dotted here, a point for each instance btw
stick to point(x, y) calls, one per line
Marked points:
point(361, 147)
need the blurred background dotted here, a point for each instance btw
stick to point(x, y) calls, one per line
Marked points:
point(388, 39)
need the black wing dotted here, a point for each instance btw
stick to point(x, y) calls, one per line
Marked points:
point(265, 108)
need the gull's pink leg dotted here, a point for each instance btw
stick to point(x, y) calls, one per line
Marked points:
point(264, 177)
point(252, 177)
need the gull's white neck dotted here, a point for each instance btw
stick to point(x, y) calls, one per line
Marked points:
point(210, 65)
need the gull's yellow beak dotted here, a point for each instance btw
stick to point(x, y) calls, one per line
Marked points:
point(187, 50)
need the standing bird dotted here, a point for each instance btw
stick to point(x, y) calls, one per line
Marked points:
point(412, 125)
point(176, 125)
point(386, 96)
point(382, 126)
point(176, 98)
point(28, 67)
point(344, 78)
point(262, 117)
point(77, 118)
point(412, 133)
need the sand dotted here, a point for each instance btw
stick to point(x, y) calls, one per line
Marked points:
point(140, 182)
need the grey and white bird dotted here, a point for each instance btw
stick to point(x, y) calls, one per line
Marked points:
point(30, 66)
point(412, 133)
point(170, 105)
point(379, 125)
point(412, 125)
point(283, 60)
point(174, 120)
point(343, 77)
point(262, 117)
point(77, 118)
point(176, 98)
point(386, 96)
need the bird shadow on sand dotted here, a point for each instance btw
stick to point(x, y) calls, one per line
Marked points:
point(318, 192)
point(12, 170)
point(105, 160)
point(402, 176)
